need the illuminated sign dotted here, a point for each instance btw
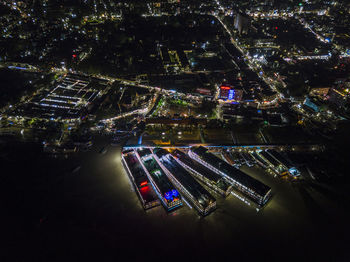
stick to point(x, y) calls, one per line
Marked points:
point(171, 196)
point(231, 94)
point(225, 87)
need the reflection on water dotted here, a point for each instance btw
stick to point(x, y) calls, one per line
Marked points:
point(97, 208)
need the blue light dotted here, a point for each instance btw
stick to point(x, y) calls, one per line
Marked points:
point(231, 94)
point(17, 67)
point(311, 104)
point(140, 140)
point(294, 172)
point(168, 195)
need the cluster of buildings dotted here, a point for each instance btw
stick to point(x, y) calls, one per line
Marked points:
point(140, 180)
point(275, 161)
point(230, 93)
point(240, 181)
point(176, 177)
point(167, 193)
point(322, 100)
point(68, 99)
point(174, 60)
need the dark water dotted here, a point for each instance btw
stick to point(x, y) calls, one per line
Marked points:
point(52, 214)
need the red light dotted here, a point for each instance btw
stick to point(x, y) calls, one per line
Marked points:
point(225, 87)
point(74, 56)
point(276, 27)
point(143, 183)
point(144, 189)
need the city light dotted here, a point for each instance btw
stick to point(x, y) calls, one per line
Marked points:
point(167, 116)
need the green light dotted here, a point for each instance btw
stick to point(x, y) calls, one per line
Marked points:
point(300, 4)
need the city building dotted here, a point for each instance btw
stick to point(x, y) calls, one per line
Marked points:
point(69, 99)
point(286, 163)
point(139, 179)
point(310, 103)
point(169, 196)
point(273, 164)
point(203, 201)
point(204, 174)
point(204, 92)
point(230, 93)
point(259, 160)
point(176, 121)
point(251, 187)
point(319, 91)
point(337, 97)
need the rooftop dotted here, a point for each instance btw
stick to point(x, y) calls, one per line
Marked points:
point(231, 171)
point(158, 176)
point(202, 196)
point(196, 166)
